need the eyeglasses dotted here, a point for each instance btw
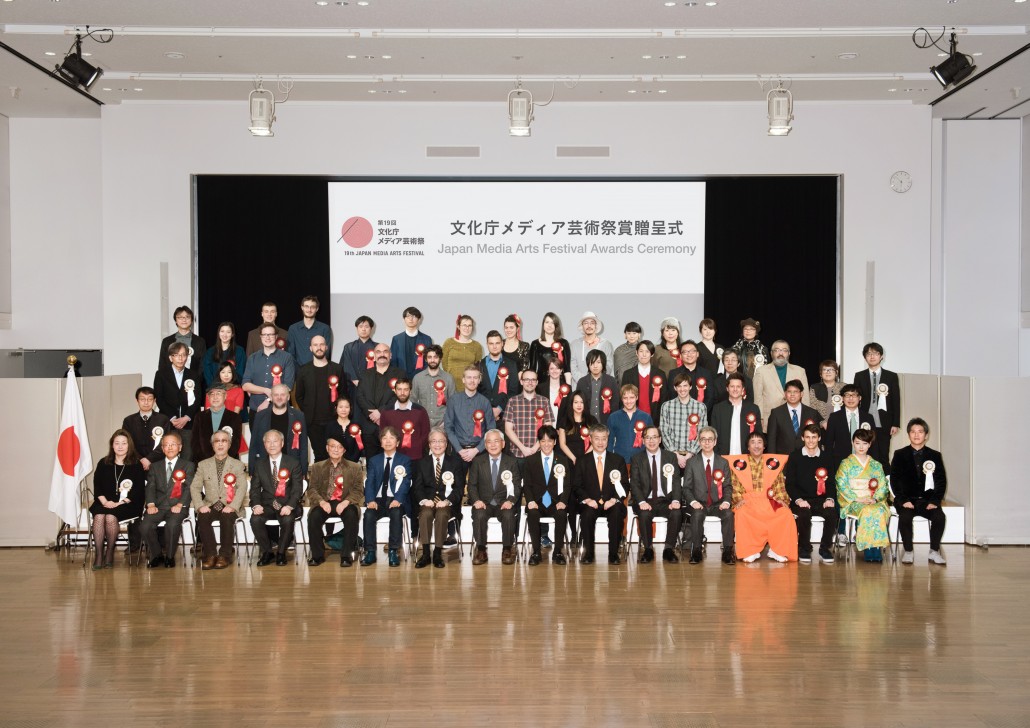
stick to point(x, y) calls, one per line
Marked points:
point(707, 439)
point(652, 437)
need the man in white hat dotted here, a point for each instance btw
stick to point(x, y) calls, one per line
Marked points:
point(591, 326)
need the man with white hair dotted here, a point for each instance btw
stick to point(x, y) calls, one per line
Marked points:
point(494, 490)
point(771, 380)
point(592, 327)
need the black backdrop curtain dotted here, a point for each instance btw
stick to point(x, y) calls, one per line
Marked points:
point(771, 254)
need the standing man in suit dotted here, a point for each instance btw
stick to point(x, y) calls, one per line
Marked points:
point(275, 490)
point(787, 420)
point(708, 490)
point(657, 484)
point(498, 375)
point(301, 334)
point(335, 490)
point(320, 383)
point(375, 394)
point(218, 492)
point(702, 381)
point(812, 486)
point(842, 424)
point(771, 379)
point(195, 346)
point(495, 491)
point(919, 483)
point(734, 418)
point(146, 427)
point(387, 485)
point(408, 347)
point(214, 418)
point(354, 358)
point(168, 499)
point(288, 421)
point(881, 391)
point(731, 365)
point(598, 478)
point(179, 393)
point(439, 489)
point(599, 388)
point(543, 471)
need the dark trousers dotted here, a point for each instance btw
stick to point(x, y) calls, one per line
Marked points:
point(616, 517)
point(433, 521)
point(697, 526)
point(803, 516)
point(206, 532)
point(659, 507)
point(371, 518)
point(881, 448)
point(135, 540)
point(935, 516)
point(316, 435)
point(257, 525)
point(173, 527)
point(506, 516)
point(561, 521)
point(316, 523)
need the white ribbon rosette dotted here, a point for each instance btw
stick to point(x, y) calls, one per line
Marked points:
point(559, 475)
point(667, 471)
point(881, 396)
point(616, 478)
point(509, 483)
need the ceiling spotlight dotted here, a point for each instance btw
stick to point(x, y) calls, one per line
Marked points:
point(955, 69)
point(520, 111)
point(262, 106)
point(77, 71)
point(781, 110)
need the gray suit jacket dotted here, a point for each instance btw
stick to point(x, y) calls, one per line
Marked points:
point(695, 484)
point(480, 486)
point(159, 486)
point(640, 476)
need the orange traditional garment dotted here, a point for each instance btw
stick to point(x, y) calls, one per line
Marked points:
point(761, 512)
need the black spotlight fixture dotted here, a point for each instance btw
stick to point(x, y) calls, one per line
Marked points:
point(955, 68)
point(76, 70)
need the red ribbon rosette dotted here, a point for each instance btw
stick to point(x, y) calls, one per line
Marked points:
point(277, 374)
point(297, 429)
point(563, 392)
point(776, 505)
point(539, 415)
point(694, 419)
point(280, 343)
point(477, 420)
point(178, 478)
point(420, 350)
point(772, 463)
point(702, 385)
point(230, 487)
point(406, 429)
point(638, 430)
point(355, 432)
point(656, 387)
point(874, 483)
point(751, 420)
point(280, 485)
point(441, 392)
point(584, 432)
point(718, 477)
point(502, 380)
point(392, 383)
point(679, 359)
point(337, 488)
point(370, 359)
point(333, 381)
point(606, 396)
point(559, 352)
point(820, 480)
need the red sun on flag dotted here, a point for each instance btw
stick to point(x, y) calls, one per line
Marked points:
point(68, 450)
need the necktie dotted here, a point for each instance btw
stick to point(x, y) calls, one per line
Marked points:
point(493, 472)
point(708, 479)
point(439, 471)
point(873, 396)
point(146, 418)
point(852, 423)
point(654, 476)
point(275, 470)
point(794, 420)
point(386, 477)
point(546, 500)
point(168, 474)
point(599, 463)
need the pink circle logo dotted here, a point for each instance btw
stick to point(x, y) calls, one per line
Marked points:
point(356, 232)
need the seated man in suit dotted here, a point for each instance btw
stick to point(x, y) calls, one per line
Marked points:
point(812, 487)
point(657, 484)
point(842, 424)
point(288, 421)
point(179, 393)
point(598, 481)
point(387, 485)
point(548, 487)
point(880, 389)
point(275, 490)
point(919, 483)
point(707, 488)
point(439, 488)
point(146, 427)
point(495, 490)
point(335, 490)
point(786, 421)
point(771, 379)
point(215, 418)
point(219, 491)
point(735, 418)
point(168, 499)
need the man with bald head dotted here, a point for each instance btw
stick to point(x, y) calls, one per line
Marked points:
point(320, 383)
point(288, 421)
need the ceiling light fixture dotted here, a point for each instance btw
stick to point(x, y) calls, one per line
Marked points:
point(262, 106)
point(520, 111)
point(77, 71)
point(956, 67)
point(781, 110)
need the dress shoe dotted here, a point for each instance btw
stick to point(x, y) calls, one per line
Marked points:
point(438, 558)
point(393, 557)
point(587, 558)
point(480, 557)
point(266, 558)
point(170, 563)
point(346, 561)
point(423, 560)
point(669, 556)
point(221, 562)
point(614, 559)
point(208, 563)
point(559, 558)
point(370, 558)
point(280, 560)
point(97, 567)
point(450, 542)
point(155, 562)
point(316, 561)
point(728, 558)
point(534, 560)
point(508, 557)
point(647, 557)
point(695, 556)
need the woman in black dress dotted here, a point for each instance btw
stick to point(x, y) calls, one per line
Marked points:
point(550, 343)
point(514, 346)
point(118, 488)
point(340, 428)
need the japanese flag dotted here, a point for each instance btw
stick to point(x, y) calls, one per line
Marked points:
point(73, 460)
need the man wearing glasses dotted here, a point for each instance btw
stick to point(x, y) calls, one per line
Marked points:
point(771, 380)
point(265, 368)
point(708, 491)
point(656, 481)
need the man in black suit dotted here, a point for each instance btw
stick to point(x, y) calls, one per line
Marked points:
point(598, 482)
point(168, 499)
point(195, 346)
point(146, 427)
point(841, 425)
point(702, 382)
point(548, 488)
point(178, 393)
point(439, 489)
point(919, 483)
point(319, 384)
point(735, 418)
point(787, 420)
point(495, 491)
point(287, 421)
point(275, 490)
point(708, 491)
point(731, 365)
point(499, 378)
point(657, 485)
point(808, 471)
point(216, 417)
point(373, 395)
point(881, 392)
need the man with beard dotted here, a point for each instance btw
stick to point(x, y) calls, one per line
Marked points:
point(374, 395)
point(771, 380)
point(288, 421)
point(426, 392)
point(320, 383)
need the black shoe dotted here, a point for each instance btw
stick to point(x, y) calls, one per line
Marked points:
point(316, 561)
point(423, 560)
point(450, 542)
point(155, 562)
point(695, 556)
point(534, 560)
point(587, 558)
point(280, 560)
point(614, 559)
point(728, 558)
point(170, 563)
point(669, 555)
point(648, 556)
point(438, 558)
point(393, 557)
point(346, 561)
point(266, 558)
point(559, 558)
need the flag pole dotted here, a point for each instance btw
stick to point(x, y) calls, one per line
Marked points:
point(64, 531)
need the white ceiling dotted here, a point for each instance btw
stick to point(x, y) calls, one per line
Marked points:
point(634, 51)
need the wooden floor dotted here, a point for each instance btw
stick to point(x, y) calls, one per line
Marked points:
point(753, 645)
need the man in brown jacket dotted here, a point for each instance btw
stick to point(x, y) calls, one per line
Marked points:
point(336, 489)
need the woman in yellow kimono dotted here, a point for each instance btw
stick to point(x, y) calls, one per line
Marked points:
point(761, 506)
point(862, 492)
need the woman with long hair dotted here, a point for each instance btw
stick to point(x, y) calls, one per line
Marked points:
point(551, 343)
point(118, 490)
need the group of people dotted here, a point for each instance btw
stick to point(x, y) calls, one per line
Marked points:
point(681, 430)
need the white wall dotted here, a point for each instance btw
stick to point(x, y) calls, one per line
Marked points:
point(5, 223)
point(1024, 332)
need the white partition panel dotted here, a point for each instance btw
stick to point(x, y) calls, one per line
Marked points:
point(953, 440)
point(920, 397)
